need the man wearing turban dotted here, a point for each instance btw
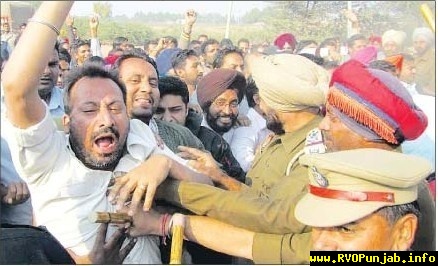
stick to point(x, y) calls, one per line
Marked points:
point(393, 42)
point(424, 40)
point(219, 94)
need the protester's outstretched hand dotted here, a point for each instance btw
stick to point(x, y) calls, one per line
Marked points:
point(14, 193)
point(94, 22)
point(140, 182)
point(243, 121)
point(145, 223)
point(106, 252)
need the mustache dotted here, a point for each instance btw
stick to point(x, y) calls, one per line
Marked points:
point(106, 130)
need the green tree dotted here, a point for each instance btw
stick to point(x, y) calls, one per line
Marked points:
point(104, 9)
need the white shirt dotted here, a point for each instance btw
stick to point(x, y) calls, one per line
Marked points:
point(245, 140)
point(65, 192)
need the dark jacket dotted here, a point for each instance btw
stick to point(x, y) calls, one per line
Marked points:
point(216, 145)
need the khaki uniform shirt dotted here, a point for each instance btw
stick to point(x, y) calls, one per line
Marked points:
point(279, 237)
point(425, 72)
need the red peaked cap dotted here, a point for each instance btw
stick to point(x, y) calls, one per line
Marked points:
point(377, 100)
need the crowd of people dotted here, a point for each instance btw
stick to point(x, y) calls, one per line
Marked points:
point(268, 150)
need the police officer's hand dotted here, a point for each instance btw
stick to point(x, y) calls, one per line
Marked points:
point(243, 121)
point(15, 193)
point(140, 182)
point(201, 161)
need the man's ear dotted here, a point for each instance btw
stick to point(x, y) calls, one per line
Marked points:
point(66, 123)
point(404, 231)
point(180, 73)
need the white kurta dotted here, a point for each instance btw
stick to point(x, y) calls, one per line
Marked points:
point(64, 191)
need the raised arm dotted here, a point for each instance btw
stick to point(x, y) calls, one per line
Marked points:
point(94, 41)
point(23, 104)
point(190, 19)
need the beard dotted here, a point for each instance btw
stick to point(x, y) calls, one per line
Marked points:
point(44, 93)
point(273, 124)
point(105, 162)
point(212, 121)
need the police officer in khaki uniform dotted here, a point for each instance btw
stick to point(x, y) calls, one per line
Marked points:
point(377, 187)
point(379, 190)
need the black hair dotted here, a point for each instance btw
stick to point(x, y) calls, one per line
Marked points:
point(222, 53)
point(250, 91)
point(135, 54)
point(173, 86)
point(90, 71)
point(314, 58)
point(172, 40)
point(304, 43)
point(242, 40)
point(64, 55)
point(226, 43)
point(383, 65)
point(118, 41)
point(178, 61)
point(207, 43)
point(95, 60)
point(354, 38)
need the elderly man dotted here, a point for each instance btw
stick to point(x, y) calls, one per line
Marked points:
point(71, 174)
point(424, 40)
point(393, 42)
point(369, 195)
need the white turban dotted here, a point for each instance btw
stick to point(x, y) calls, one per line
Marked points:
point(396, 36)
point(426, 33)
point(289, 82)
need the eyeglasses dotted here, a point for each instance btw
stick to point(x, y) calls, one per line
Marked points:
point(223, 104)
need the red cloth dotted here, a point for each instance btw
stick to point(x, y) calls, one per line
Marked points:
point(383, 95)
point(396, 60)
point(432, 187)
point(374, 38)
point(111, 59)
point(284, 38)
point(366, 55)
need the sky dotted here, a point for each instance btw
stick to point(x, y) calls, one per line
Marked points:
point(129, 8)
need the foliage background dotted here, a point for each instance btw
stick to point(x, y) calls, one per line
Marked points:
point(305, 19)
